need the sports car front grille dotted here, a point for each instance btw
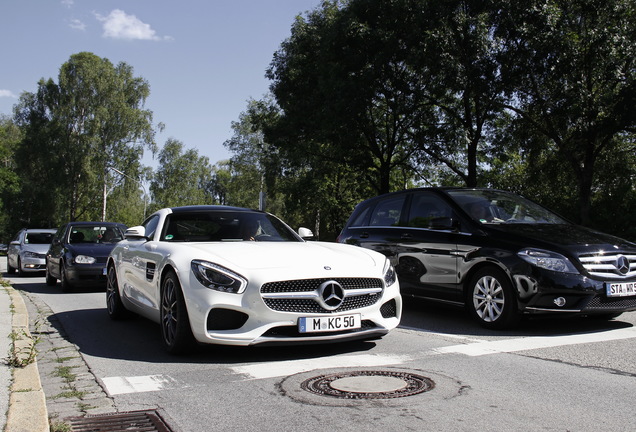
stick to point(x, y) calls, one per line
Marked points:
point(302, 296)
point(612, 265)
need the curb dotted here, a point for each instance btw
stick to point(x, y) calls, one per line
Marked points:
point(27, 403)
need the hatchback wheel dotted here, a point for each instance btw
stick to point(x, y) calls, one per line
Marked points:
point(50, 280)
point(175, 325)
point(66, 285)
point(490, 299)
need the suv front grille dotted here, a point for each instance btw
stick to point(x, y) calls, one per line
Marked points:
point(611, 265)
point(304, 296)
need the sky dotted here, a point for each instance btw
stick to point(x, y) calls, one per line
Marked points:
point(203, 59)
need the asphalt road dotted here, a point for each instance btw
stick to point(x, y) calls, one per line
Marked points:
point(548, 374)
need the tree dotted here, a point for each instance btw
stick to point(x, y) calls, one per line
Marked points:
point(182, 177)
point(9, 181)
point(344, 91)
point(76, 129)
point(574, 63)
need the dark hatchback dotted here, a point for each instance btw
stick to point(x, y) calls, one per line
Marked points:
point(497, 253)
point(79, 251)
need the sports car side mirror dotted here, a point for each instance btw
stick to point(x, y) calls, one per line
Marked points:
point(305, 233)
point(135, 232)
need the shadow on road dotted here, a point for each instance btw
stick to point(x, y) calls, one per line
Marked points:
point(138, 339)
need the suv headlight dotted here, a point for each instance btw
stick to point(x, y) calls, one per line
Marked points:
point(389, 273)
point(84, 259)
point(547, 260)
point(218, 278)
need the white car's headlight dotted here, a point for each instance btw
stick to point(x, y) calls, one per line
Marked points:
point(31, 255)
point(547, 260)
point(389, 273)
point(217, 277)
point(84, 259)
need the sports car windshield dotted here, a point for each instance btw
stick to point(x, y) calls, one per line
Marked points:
point(213, 226)
point(498, 207)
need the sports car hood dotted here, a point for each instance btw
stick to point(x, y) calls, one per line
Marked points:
point(559, 236)
point(272, 255)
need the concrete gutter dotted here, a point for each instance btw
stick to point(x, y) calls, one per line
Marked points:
point(27, 404)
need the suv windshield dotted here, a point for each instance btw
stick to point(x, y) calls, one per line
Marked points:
point(497, 207)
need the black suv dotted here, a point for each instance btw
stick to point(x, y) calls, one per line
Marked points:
point(499, 254)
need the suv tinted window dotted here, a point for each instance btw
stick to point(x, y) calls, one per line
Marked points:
point(425, 208)
point(388, 212)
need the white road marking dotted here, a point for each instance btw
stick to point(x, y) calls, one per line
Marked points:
point(535, 342)
point(291, 367)
point(138, 384)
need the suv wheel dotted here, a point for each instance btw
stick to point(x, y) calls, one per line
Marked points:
point(491, 300)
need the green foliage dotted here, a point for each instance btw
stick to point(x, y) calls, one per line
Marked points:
point(9, 180)
point(74, 130)
point(182, 177)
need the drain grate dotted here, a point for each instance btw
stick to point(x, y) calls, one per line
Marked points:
point(368, 384)
point(133, 421)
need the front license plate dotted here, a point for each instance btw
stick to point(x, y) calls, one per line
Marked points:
point(329, 323)
point(622, 289)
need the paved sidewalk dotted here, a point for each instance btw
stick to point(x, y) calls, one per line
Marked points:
point(58, 385)
point(22, 397)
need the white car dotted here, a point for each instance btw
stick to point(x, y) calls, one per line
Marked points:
point(234, 276)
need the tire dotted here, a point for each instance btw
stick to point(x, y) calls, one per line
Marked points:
point(50, 280)
point(176, 333)
point(114, 305)
point(491, 301)
point(20, 272)
point(10, 268)
point(66, 285)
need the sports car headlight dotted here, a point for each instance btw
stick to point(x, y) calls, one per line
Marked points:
point(547, 260)
point(389, 273)
point(217, 277)
point(84, 259)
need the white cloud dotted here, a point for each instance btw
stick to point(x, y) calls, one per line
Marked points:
point(77, 25)
point(7, 93)
point(119, 25)
point(68, 3)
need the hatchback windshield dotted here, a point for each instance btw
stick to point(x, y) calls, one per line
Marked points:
point(497, 207)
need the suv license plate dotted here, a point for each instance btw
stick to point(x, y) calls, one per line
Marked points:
point(623, 289)
point(329, 323)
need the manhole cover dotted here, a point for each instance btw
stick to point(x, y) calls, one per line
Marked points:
point(368, 384)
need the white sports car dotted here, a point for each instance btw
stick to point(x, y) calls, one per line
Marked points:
point(227, 275)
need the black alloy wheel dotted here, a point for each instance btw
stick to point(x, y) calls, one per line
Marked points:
point(491, 300)
point(64, 282)
point(176, 333)
point(50, 280)
point(114, 305)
